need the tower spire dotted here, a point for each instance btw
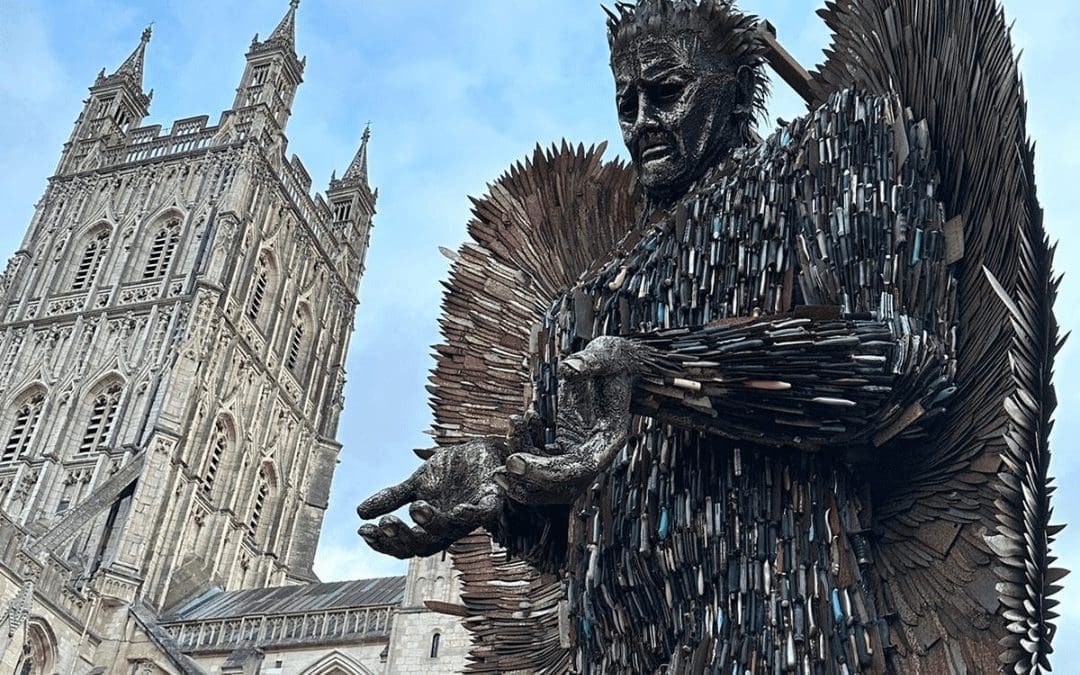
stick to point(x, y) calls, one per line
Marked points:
point(132, 68)
point(357, 170)
point(352, 203)
point(285, 33)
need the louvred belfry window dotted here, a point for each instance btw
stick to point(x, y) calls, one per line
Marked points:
point(219, 445)
point(258, 75)
point(259, 288)
point(258, 504)
point(90, 261)
point(162, 250)
point(22, 431)
point(342, 210)
point(102, 418)
point(257, 292)
point(296, 341)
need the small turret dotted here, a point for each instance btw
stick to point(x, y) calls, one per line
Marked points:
point(352, 202)
point(116, 105)
point(273, 71)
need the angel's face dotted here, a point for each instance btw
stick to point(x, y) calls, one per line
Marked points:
point(676, 110)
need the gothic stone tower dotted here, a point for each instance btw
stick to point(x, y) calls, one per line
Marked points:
point(173, 333)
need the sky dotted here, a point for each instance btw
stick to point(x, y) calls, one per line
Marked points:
point(454, 93)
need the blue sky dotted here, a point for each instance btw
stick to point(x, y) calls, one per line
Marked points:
point(454, 92)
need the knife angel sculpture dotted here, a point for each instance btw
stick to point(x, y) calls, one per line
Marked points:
point(789, 408)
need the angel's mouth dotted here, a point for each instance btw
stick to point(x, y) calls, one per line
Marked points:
point(656, 152)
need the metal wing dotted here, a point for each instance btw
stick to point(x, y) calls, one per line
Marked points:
point(969, 527)
point(541, 225)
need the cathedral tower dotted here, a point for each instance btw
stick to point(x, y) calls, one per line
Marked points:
point(173, 332)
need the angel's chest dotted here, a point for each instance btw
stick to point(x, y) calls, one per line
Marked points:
point(727, 252)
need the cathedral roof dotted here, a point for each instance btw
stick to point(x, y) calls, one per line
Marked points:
point(294, 599)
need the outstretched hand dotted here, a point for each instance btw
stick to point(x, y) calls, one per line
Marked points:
point(595, 386)
point(449, 495)
point(463, 487)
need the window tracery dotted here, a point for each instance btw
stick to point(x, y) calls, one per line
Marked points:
point(220, 444)
point(27, 414)
point(93, 253)
point(162, 250)
point(102, 417)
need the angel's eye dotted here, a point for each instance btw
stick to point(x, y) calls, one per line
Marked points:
point(627, 104)
point(667, 92)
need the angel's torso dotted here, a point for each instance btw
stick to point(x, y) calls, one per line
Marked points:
point(693, 551)
point(696, 554)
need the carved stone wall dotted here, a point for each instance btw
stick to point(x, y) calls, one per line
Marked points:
point(173, 332)
point(414, 647)
point(186, 346)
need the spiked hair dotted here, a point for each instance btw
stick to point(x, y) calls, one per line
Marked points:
point(722, 30)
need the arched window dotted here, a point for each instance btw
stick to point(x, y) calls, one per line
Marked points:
point(92, 254)
point(102, 417)
point(296, 340)
point(220, 443)
point(27, 414)
point(259, 503)
point(162, 250)
point(260, 287)
point(299, 345)
point(39, 649)
point(435, 645)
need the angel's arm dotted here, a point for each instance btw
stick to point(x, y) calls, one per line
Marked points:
point(800, 381)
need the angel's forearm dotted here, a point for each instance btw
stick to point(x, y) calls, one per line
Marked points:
point(800, 382)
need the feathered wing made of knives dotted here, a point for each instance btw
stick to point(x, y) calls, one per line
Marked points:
point(541, 225)
point(986, 479)
point(961, 526)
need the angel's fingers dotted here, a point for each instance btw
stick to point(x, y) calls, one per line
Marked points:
point(518, 438)
point(382, 542)
point(476, 514)
point(552, 470)
point(460, 519)
point(606, 355)
point(398, 539)
point(520, 490)
point(557, 479)
point(534, 426)
point(605, 445)
point(431, 519)
point(388, 499)
point(510, 488)
point(572, 469)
